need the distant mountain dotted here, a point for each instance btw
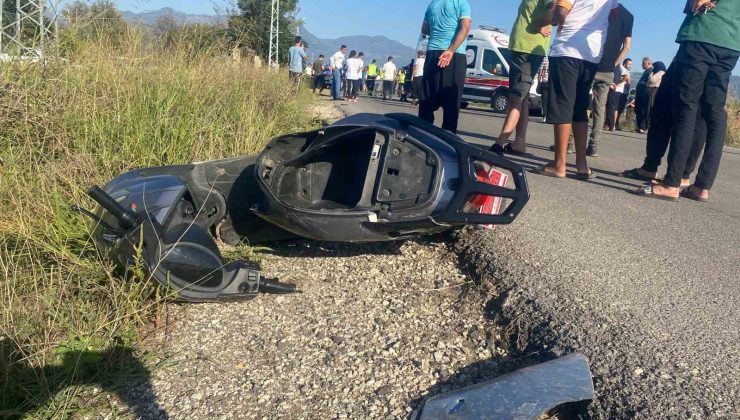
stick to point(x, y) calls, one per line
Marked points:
point(374, 47)
point(151, 17)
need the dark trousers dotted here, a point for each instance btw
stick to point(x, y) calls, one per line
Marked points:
point(661, 125)
point(354, 87)
point(388, 88)
point(701, 78)
point(642, 109)
point(318, 83)
point(443, 87)
point(418, 83)
point(371, 84)
point(545, 96)
point(612, 106)
point(621, 108)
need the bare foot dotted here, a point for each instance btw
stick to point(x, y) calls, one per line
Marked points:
point(550, 170)
point(685, 183)
point(660, 189)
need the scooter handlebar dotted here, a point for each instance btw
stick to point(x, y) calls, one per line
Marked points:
point(126, 219)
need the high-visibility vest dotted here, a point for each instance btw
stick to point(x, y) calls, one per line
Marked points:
point(402, 77)
point(372, 70)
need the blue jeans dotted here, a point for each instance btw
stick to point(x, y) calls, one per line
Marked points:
point(336, 84)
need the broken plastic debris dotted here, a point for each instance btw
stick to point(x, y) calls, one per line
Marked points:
point(525, 394)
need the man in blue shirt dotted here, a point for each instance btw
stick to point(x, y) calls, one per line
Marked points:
point(297, 56)
point(447, 23)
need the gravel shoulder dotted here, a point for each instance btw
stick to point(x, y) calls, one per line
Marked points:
point(377, 328)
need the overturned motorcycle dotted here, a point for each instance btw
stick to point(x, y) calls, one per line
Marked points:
point(365, 178)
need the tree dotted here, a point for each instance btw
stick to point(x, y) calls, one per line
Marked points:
point(99, 19)
point(251, 26)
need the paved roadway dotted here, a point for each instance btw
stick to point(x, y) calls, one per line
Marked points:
point(649, 290)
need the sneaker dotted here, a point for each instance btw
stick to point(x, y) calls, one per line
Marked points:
point(592, 151)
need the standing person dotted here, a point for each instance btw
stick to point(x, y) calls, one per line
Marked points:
point(417, 76)
point(389, 78)
point(372, 74)
point(529, 41)
point(336, 63)
point(297, 57)
point(543, 84)
point(318, 74)
point(653, 83)
point(709, 41)
point(659, 135)
point(617, 45)
point(447, 23)
point(575, 53)
point(401, 86)
point(624, 98)
point(618, 91)
point(354, 74)
point(642, 108)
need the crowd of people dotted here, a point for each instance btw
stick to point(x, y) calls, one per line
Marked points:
point(577, 50)
point(348, 74)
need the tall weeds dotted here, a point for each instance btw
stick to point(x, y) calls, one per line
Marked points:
point(70, 123)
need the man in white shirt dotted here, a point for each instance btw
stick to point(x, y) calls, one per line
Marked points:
point(389, 78)
point(336, 62)
point(618, 92)
point(574, 55)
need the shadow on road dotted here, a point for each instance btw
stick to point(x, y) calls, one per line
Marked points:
point(25, 388)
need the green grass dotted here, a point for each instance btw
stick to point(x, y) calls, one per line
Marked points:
point(69, 320)
point(733, 123)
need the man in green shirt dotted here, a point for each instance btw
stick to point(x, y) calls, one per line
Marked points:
point(529, 43)
point(709, 51)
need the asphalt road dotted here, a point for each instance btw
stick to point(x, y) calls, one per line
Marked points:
point(649, 290)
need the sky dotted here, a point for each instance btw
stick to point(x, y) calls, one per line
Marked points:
point(656, 21)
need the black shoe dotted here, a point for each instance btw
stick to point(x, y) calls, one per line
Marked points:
point(497, 149)
point(592, 151)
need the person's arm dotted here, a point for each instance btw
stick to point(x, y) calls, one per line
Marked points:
point(463, 29)
point(425, 28)
point(332, 62)
point(542, 25)
point(560, 12)
point(626, 46)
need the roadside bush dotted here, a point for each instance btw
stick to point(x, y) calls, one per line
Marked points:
point(107, 108)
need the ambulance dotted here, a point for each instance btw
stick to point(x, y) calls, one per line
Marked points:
point(487, 78)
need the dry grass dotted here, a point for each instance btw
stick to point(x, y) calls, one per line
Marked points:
point(82, 121)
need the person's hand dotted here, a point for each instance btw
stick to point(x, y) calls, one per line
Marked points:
point(445, 58)
point(545, 31)
point(613, 86)
point(699, 5)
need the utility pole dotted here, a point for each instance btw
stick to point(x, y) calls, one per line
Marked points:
point(17, 44)
point(273, 61)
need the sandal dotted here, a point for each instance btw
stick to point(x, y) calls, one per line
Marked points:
point(497, 149)
point(510, 151)
point(647, 191)
point(635, 174)
point(543, 170)
point(687, 193)
point(586, 176)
